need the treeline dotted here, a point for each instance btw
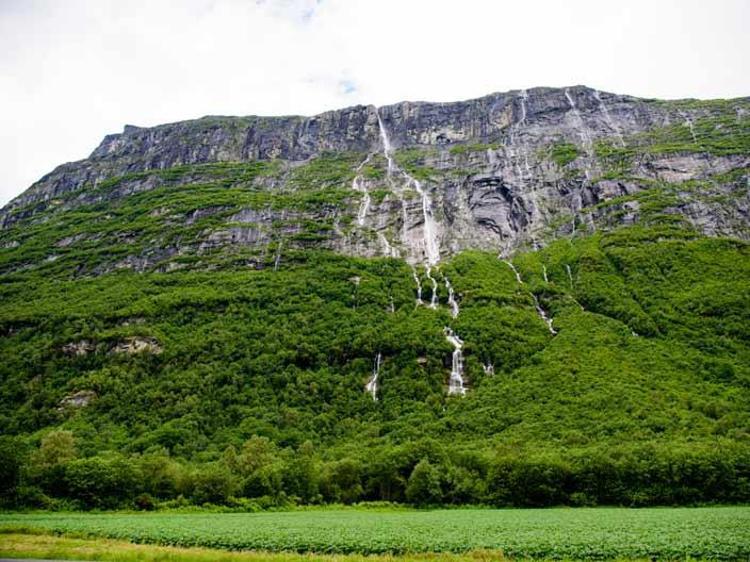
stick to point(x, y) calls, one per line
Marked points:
point(261, 475)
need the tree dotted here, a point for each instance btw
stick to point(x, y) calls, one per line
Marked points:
point(423, 487)
point(102, 481)
point(57, 447)
point(47, 466)
point(213, 483)
point(11, 457)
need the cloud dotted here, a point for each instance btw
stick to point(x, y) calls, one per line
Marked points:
point(73, 71)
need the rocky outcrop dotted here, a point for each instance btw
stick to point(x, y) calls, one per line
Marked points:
point(80, 399)
point(138, 344)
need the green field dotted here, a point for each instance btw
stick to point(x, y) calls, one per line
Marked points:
point(716, 533)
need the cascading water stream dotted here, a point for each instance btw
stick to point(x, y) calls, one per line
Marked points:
point(431, 249)
point(515, 271)
point(543, 315)
point(372, 384)
point(430, 258)
point(277, 260)
point(456, 381)
point(419, 285)
point(434, 297)
point(524, 97)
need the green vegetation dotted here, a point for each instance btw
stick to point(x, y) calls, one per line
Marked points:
point(249, 388)
point(468, 148)
point(413, 161)
point(718, 533)
point(563, 153)
point(721, 131)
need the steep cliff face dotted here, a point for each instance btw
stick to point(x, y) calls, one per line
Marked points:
point(420, 181)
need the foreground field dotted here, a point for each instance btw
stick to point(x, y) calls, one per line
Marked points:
point(45, 547)
point(719, 533)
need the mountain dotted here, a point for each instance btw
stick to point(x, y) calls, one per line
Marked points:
point(531, 298)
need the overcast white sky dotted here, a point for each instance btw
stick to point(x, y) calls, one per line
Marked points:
point(73, 70)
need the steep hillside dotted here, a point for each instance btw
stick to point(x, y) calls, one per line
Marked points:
point(510, 300)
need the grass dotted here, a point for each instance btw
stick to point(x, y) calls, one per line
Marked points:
point(602, 533)
point(18, 545)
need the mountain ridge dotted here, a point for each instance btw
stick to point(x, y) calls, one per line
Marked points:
point(503, 171)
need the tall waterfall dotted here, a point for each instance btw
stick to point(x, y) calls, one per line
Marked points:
point(430, 257)
point(431, 245)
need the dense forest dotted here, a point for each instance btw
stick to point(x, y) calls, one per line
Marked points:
point(246, 387)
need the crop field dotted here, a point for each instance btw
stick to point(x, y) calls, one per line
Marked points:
point(716, 533)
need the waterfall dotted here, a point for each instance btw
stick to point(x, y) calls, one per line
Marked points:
point(608, 118)
point(544, 273)
point(278, 256)
point(524, 97)
point(387, 149)
point(430, 258)
point(456, 381)
point(570, 275)
point(431, 249)
point(388, 250)
point(451, 298)
point(434, 297)
point(543, 315)
point(419, 285)
point(488, 368)
point(372, 384)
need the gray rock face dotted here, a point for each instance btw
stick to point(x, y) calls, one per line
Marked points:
point(500, 172)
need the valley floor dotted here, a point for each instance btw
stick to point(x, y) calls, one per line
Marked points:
point(326, 534)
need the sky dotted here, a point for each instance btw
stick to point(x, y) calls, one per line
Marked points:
point(72, 71)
